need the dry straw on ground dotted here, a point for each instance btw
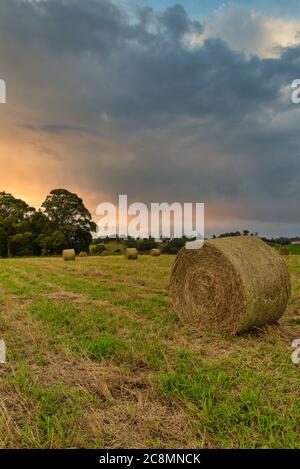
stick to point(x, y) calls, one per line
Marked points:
point(284, 252)
point(231, 285)
point(131, 253)
point(68, 254)
point(154, 252)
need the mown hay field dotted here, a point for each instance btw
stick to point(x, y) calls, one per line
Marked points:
point(96, 358)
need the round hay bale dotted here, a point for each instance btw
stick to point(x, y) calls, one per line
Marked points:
point(68, 254)
point(83, 254)
point(284, 252)
point(230, 284)
point(131, 253)
point(103, 253)
point(155, 252)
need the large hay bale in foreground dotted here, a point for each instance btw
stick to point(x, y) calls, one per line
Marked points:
point(284, 252)
point(131, 253)
point(230, 284)
point(155, 252)
point(68, 254)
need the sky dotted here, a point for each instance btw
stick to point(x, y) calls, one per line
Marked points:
point(164, 101)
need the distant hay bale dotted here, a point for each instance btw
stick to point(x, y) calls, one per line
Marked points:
point(231, 284)
point(155, 252)
point(68, 254)
point(284, 252)
point(103, 253)
point(83, 254)
point(131, 253)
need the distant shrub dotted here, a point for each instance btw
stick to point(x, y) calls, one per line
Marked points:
point(173, 246)
point(131, 243)
point(145, 245)
point(96, 249)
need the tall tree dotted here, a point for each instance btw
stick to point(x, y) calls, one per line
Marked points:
point(41, 230)
point(15, 216)
point(67, 214)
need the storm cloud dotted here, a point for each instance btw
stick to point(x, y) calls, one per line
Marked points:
point(129, 103)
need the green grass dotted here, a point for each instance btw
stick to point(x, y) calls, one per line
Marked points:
point(96, 357)
point(54, 421)
point(293, 248)
point(240, 409)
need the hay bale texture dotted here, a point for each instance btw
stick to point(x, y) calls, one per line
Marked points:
point(131, 253)
point(68, 254)
point(230, 284)
point(155, 252)
point(284, 252)
point(83, 254)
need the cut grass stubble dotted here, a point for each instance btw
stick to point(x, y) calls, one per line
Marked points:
point(96, 357)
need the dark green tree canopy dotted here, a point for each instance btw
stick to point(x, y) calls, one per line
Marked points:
point(63, 222)
point(15, 215)
point(66, 208)
point(13, 208)
point(70, 219)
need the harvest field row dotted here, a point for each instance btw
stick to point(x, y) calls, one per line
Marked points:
point(96, 358)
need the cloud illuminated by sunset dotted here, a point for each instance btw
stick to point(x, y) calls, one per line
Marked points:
point(162, 102)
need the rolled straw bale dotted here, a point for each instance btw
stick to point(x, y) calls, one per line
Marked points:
point(68, 254)
point(103, 253)
point(131, 253)
point(83, 254)
point(284, 252)
point(230, 284)
point(155, 252)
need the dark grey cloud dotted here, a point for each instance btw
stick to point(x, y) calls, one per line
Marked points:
point(64, 26)
point(56, 128)
point(166, 120)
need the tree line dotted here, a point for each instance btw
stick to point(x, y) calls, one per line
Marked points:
point(62, 222)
